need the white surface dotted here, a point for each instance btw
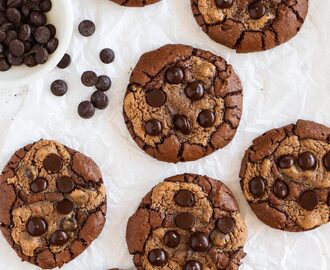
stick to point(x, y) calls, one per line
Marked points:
point(279, 86)
point(60, 16)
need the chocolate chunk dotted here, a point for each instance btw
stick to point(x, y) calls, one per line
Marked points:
point(65, 184)
point(59, 88)
point(174, 75)
point(53, 163)
point(172, 239)
point(199, 242)
point(224, 3)
point(65, 61)
point(41, 55)
point(182, 124)
point(86, 28)
point(184, 198)
point(153, 127)
point(59, 238)
point(156, 98)
point(89, 78)
point(193, 265)
point(107, 56)
point(257, 186)
point(309, 200)
point(306, 161)
point(39, 185)
point(16, 47)
point(185, 220)
point(157, 257)
point(100, 100)
point(86, 110)
point(225, 225)
point(195, 91)
point(103, 83)
point(326, 161)
point(280, 189)
point(65, 207)
point(206, 118)
point(42, 34)
point(285, 162)
point(36, 226)
point(257, 10)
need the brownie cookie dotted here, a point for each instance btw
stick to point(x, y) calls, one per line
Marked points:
point(250, 25)
point(135, 3)
point(285, 176)
point(182, 103)
point(187, 222)
point(52, 203)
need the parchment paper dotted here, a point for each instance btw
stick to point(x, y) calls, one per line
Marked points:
point(280, 86)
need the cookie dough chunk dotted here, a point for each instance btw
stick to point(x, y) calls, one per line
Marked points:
point(135, 3)
point(182, 103)
point(250, 25)
point(187, 222)
point(285, 176)
point(52, 203)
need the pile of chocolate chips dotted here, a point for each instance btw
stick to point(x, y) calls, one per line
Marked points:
point(25, 36)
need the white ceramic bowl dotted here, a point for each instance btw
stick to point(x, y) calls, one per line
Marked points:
point(61, 16)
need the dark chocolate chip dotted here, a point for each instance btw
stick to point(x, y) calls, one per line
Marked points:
point(36, 226)
point(65, 184)
point(257, 10)
point(30, 61)
point(184, 198)
point(103, 83)
point(192, 265)
point(157, 257)
point(306, 161)
point(59, 88)
point(24, 32)
point(53, 163)
point(59, 238)
point(52, 30)
point(86, 109)
point(280, 189)
point(107, 56)
point(39, 185)
point(86, 28)
point(156, 98)
point(13, 15)
point(64, 207)
point(89, 78)
point(42, 34)
point(174, 75)
point(16, 47)
point(326, 161)
point(65, 61)
point(223, 4)
point(199, 242)
point(14, 60)
point(41, 55)
point(153, 127)
point(38, 18)
point(100, 100)
point(185, 221)
point(195, 91)
point(257, 186)
point(309, 200)
point(225, 225)
point(285, 162)
point(182, 123)
point(45, 5)
point(52, 45)
point(4, 65)
point(172, 239)
point(206, 118)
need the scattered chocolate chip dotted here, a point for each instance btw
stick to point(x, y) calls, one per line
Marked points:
point(206, 118)
point(223, 4)
point(195, 91)
point(59, 88)
point(103, 83)
point(65, 184)
point(174, 75)
point(257, 10)
point(326, 161)
point(53, 163)
point(285, 162)
point(309, 200)
point(172, 239)
point(39, 185)
point(156, 98)
point(89, 78)
point(185, 221)
point(184, 198)
point(86, 28)
point(257, 186)
point(182, 123)
point(280, 189)
point(306, 161)
point(64, 207)
point(192, 265)
point(107, 56)
point(100, 100)
point(153, 127)
point(59, 238)
point(225, 225)
point(86, 109)
point(36, 226)
point(199, 242)
point(157, 257)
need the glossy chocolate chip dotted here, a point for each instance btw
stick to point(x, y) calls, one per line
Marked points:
point(59, 88)
point(280, 189)
point(64, 207)
point(153, 127)
point(184, 198)
point(86, 28)
point(107, 56)
point(53, 163)
point(52, 45)
point(195, 91)
point(326, 161)
point(206, 118)
point(59, 238)
point(257, 10)
point(86, 109)
point(36, 226)
point(172, 239)
point(89, 78)
point(182, 124)
point(285, 162)
point(193, 265)
point(65, 61)
point(199, 242)
point(65, 184)
point(156, 98)
point(103, 83)
point(174, 75)
point(185, 221)
point(309, 200)
point(39, 185)
point(306, 161)
point(223, 4)
point(257, 186)
point(38, 18)
point(225, 225)
point(157, 257)
point(100, 100)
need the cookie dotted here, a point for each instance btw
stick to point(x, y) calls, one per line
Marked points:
point(135, 3)
point(250, 25)
point(187, 222)
point(52, 203)
point(285, 176)
point(182, 103)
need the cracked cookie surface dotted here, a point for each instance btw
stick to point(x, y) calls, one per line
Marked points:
point(250, 25)
point(285, 176)
point(187, 222)
point(135, 3)
point(52, 203)
point(182, 103)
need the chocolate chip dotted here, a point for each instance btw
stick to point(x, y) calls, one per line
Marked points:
point(86, 28)
point(36, 226)
point(107, 56)
point(103, 83)
point(4, 65)
point(52, 45)
point(16, 47)
point(225, 225)
point(64, 207)
point(45, 5)
point(174, 75)
point(59, 238)
point(24, 32)
point(156, 98)
point(257, 186)
point(65, 184)
point(100, 100)
point(38, 18)
point(185, 221)
point(184, 198)
point(206, 118)
point(153, 127)
point(65, 61)
point(52, 30)
point(224, 3)
point(42, 34)
point(280, 189)
point(285, 162)
point(89, 78)
point(257, 10)
point(30, 61)
point(192, 265)
point(13, 15)
point(326, 161)
point(172, 239)
point(41, 55)
point(182, 123)
point(15, 61)
point(309, 200)
point(59, 88)
point(306, 161)
point(53, 163)
point(86, 110)
point(195, 91)
point(157, 257)
point(39, 185)
point(199, 242)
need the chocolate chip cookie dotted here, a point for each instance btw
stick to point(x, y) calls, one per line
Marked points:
point(52, 203)
point(187, 222)
point(285, 176)
point(135, 3)
point(182, 103)
point(250, 25)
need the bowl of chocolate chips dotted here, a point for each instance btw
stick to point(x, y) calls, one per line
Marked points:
point(34, 36)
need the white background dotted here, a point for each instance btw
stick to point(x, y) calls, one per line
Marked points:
point(280, 86)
